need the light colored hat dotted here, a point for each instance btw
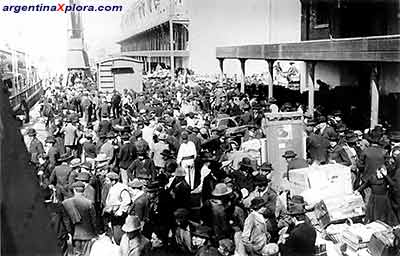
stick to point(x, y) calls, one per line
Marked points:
point(136, 183)
point(132, 223)
point(221, 189)
point(75, 162)
point(101, 158)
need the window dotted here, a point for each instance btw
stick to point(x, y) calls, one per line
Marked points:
point(322, 14)
point(122, 70)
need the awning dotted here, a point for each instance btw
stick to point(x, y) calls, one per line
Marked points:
point(368, 49)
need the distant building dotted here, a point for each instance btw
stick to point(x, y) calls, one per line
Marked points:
point(201, 25)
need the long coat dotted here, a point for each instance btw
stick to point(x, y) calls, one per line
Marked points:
point(255, 235)
point(317, 147)
point(35, 149)
point(301, 241)
point(83, 216)
point(370, 160)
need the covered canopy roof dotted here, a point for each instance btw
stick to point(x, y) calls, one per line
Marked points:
point(372, 49)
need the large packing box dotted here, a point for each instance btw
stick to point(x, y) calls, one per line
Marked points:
point(382, 244)
point(358, 235)
point(338, 208)
point(318, 182)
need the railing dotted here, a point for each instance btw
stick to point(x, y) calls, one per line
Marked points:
point(25, 94)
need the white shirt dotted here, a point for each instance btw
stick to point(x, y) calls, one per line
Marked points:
point(148, 134)
point(186, 149)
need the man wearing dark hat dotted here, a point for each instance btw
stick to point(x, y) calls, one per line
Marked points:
point(201, 242)
point(89, 192)
point(323, 129)
point(302, 235)
point(293, 162)
point(53, 152)
point(35, 147)
point(83, 217)
point(169, 160)
point(317, 147)
point(140, 144)
point(127, 154)
point(336, 152)
point(371, 159)
point(59, 177)
point(242, 175)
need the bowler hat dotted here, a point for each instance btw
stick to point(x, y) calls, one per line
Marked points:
point(180, 172)
point(50, 139)
point(31, 132)
point(257, 203)
point(86, 165)
point(132, 223)
point(136, 183)
point(261, 180)
point(351, 137)
point(221, 189)
point(166, 152)
point(101, 158)
point(246, 162)
point(289, 154)
point(83, 176)
point(202, 231)
point(65, 157)
point(266, 167)
point(181, 213)
point(125, 136)
point(78, 184)
point(296, 205)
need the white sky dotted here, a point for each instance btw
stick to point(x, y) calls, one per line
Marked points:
point(45, 33)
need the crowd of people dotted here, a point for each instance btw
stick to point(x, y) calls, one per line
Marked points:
point(150, 170)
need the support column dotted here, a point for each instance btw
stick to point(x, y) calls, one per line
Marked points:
point(310, 73)
point(171, 48)
point(149, 64)
point(221, 69)
point(374, 97)
point(243, 77)
point(271, 78)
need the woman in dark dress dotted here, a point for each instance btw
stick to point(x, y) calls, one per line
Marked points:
point(379, 206)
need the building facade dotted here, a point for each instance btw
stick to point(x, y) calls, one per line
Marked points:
point(200, 26)
point(350, 50)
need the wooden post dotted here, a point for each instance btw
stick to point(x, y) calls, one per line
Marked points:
point(221, 69)
point(374, 97)
point(171, 48)
point(310, 71)
point(243, 77)
point(271, 78)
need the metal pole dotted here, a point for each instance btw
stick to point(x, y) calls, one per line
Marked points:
point(171, 48)
point(374, 97)
point(271, 78)
point(221, 67)
point(243, 78)
point(310, 73)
